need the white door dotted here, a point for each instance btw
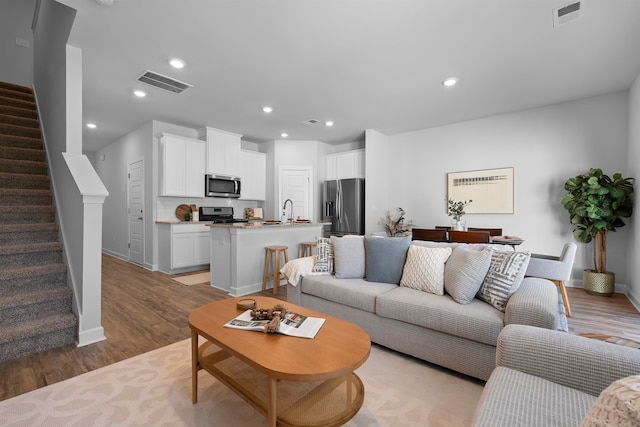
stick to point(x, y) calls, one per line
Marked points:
point(136, 209)
point(295, 184)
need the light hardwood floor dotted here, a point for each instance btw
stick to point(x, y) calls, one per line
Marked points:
point(145, 310)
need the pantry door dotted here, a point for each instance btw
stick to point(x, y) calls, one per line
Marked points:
point(296, 184)
point(135, 178)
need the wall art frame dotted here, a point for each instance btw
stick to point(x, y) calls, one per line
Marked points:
point(490, 189)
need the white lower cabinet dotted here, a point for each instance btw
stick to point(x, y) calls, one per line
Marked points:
point(183, 247)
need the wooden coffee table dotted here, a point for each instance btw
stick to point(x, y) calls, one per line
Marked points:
point(292, 381)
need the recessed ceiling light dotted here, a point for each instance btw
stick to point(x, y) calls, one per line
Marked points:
point(139, 93)
point(451, 81)
point(284, 134)
point(91, 125)
point(267, 109)
point(176, 63)
point(328, 123)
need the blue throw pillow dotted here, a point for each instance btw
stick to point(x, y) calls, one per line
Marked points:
point(384, 258)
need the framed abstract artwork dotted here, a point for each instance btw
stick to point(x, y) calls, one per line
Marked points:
point(490, 189)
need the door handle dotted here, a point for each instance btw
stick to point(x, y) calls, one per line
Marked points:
point(140, 218)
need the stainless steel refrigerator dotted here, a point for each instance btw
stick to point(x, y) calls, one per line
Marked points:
point(343, 206)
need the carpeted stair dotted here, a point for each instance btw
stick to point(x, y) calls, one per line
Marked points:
point(35, 300)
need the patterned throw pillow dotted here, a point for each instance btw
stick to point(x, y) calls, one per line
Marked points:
point(324, 260)
point(464, 272)
point(617, 405)
point(424, 269)
point(503, 278)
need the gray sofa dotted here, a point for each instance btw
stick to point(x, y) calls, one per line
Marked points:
point(549, 378)
point(435, 328)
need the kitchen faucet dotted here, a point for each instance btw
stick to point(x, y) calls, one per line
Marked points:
point(284, 207)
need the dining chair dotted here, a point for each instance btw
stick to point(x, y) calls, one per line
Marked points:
point(468, 236)
point(434, 235)
point(492, 231)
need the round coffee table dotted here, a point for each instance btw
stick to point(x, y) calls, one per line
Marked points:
point(290, 380)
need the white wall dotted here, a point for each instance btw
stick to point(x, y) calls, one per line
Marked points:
point(17, 61)
point(634, 171)
point(545, 146)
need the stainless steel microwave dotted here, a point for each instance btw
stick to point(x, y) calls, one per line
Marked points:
point(222, 186)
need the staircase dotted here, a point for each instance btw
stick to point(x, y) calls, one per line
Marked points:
point(35, 300)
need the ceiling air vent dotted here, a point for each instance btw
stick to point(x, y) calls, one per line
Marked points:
point(568, 13)
point(311, 122)
point(163, 82)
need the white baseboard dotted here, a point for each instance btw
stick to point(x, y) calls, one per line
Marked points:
point(91, 336)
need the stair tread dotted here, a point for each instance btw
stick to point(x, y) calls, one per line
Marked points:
point(25, 298)
point(16, 87)
point(30, 248)
point(23, 176)
point(34, 271)
point(38, 326)
point(31, 208)
point(29, 226)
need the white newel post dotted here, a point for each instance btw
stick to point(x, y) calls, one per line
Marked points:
point(90, 329)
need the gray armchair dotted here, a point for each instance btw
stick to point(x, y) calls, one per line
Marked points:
point(555, 268)
point(549, 378)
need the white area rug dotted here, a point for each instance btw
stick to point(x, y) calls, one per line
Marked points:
point(154, 389)
point(193, 279)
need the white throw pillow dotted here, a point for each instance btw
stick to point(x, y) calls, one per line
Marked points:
point(617, 405)
point(424, 269)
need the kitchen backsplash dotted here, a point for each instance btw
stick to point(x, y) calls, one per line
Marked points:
point(166, 206)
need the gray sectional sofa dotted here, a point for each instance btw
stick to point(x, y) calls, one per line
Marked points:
point(549, 378)
point(432, 327)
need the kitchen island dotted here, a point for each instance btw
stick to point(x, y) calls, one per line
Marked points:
point(237, 251)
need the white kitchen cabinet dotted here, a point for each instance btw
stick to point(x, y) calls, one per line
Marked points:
point(182, 166)
point(349, 164)
point(223, 151)
point(253, 172)
point(183, 247)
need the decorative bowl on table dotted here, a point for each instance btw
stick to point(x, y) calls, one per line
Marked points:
point(507, 240)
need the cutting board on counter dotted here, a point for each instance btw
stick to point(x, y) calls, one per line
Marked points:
point(181, 210)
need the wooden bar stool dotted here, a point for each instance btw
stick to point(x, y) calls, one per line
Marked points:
point(273, 257)
point(307, 246)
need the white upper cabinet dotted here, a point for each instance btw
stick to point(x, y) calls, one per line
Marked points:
point(253, 173)
point(223, 151)
point(182, 166)
point(349, 164)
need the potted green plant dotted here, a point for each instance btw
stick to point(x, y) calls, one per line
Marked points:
point(596, 204)
point(456, 210)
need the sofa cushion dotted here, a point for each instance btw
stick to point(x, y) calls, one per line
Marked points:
point(324, 259)
point(618, 404)
point(464, 272)
point(503, 278)
point(513, 398)
point(476, 321)
point(348, 257)
point(385, 257)
point(356, 293)
point(424, 269)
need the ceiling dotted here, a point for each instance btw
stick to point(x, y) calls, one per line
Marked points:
point(364, 64)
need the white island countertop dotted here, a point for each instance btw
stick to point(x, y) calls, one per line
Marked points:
point(238, 251)
point(261, 225)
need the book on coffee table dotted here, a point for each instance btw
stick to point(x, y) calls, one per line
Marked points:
point(293, 324)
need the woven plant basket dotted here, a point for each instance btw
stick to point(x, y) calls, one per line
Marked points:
point(600, 284)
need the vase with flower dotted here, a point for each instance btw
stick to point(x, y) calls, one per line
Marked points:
point(456, 211)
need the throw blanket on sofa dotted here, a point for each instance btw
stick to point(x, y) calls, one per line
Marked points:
point(295, 269)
